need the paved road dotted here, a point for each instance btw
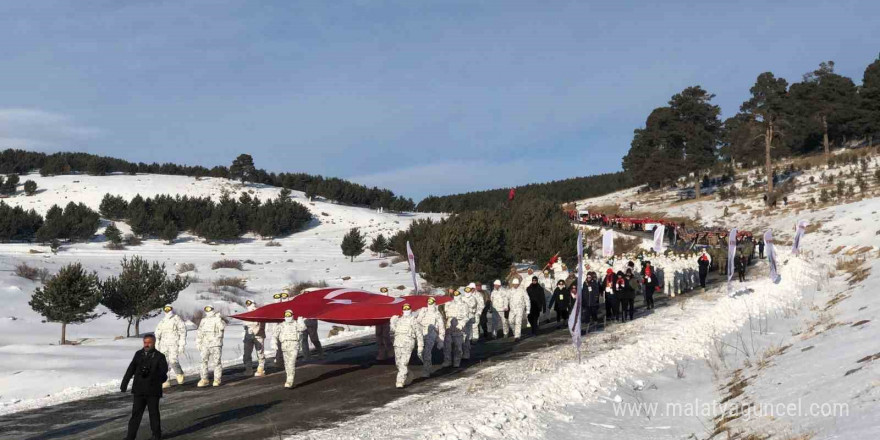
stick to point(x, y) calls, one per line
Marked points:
point(347, 383)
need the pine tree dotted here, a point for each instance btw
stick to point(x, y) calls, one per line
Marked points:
point(113, 207)
point(768, 105)
point(9, 186)
point(242, 168)
point(69, 297)
point(869, 102)
point(30, 187)
point(353, 243)
point(140, 291)
point(52, 226)
point(113, 234)
point(379, 245)
point(169, 233)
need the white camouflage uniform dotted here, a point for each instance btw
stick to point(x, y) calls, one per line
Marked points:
point(288, 335)
point(171, 341)
point(405, 330)
point(470, 301)
point(520, 306)
point(432, 332)
point(254, 339)
point(209, 341)
point(497, 321)
point(456, 316)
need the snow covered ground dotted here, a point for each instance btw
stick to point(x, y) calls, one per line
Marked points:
point(35, 370)
point(793, 360)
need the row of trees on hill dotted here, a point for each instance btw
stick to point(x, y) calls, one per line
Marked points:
point(823, 111)
point(242, 168)
point(72, 295)
point(164, 216)
point(75, 222)
point(557, 191)
point(480, 245)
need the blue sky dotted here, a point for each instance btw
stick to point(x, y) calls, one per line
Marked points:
point(421, 97)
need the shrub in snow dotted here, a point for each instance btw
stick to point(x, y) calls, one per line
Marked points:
point(227, 264)
point(273, 243)
point(30, 187)
point(236, 282)
point(69, 297)
point(186, 267)
point(132, 240)
point(140, 291)
point(31, 273)
point(379, 245)
point(113, 234)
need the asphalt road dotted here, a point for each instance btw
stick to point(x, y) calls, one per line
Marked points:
point(347, 383)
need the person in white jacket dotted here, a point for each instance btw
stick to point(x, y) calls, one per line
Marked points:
point(209, 341)
point(405, 330)
point(171, 341)
point(288, 334)
point(520, 306)
point(470, 298)
point(498, 318)
point(456, 316)
point(254, 340)
point(433, 332)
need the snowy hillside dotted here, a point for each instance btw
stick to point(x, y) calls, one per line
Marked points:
point(794, 360)
point(34, 370)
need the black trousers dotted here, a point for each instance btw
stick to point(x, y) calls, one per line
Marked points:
point(484, 324)
point(742, 276)
point(562, 315)
point(703, 278)
point(534, 314)
point(762, 253)
point(649, 297)
point(629, 307)
point(591, 314)
point(612, 309)
point(140, 403)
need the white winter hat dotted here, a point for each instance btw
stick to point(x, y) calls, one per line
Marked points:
point(515, 281)
point(472, 285)
point(497, 283)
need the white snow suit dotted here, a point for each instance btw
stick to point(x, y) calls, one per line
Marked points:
point(520, 306)
point(209, 340)
point(432, 332)
point(405, 329)
point(289, 335)
point(497, 321)
point(456, 316)
point(171, 341)
point(254, 339)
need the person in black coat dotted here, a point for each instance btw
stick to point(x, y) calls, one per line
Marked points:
point(703, 262)
point(149, 370)
point(590, 293)
point(628, 294)
point(538, 303)
point(761, 248)
point(649, 278)
point(612, 304)
point(740, 264)
point(561, 302)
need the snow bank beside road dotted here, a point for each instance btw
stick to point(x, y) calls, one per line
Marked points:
point(515, 401)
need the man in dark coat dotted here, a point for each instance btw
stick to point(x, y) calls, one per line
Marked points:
point(561, 302)
point(761, 249)
point(539, 303)
point(590, 294)
point(703, 262)
point(149, 370)
point(628, 294)
point(649, 278)
point(740, 264)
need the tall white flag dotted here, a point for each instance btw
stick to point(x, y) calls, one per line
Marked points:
point(607, 243)
point(800, 230)
point(771, 256)
point(412, 267)
point(574, 320)
point(659, 231)
point(731, 257)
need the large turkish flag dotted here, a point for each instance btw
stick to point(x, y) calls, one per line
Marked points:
point(341, 306)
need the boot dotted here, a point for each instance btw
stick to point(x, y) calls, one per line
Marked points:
point(288, 385)
point(248, 371)
point(180, 379)
point(202, 383)
point(216, 382)
point(166, 384)
point(260, 372)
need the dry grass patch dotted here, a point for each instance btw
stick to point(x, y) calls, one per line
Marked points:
point(837, 250)
point(32, 273)
point(854, 267)
point(227, 264)
point(236, 282)
point(297, 288)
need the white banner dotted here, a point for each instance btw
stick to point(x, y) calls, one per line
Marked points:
point(574, 320)
point(771, 256)
point(731, 256)
point(800, 230)
point(658, 238)
point(412, 267)
point(608, 243)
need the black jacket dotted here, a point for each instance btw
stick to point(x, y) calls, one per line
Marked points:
point(561, 299)
point(151, 384)
point(591, 292)
point(704, 264)
point(536, 297)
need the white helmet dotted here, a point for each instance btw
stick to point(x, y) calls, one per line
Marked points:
point(497, 283)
